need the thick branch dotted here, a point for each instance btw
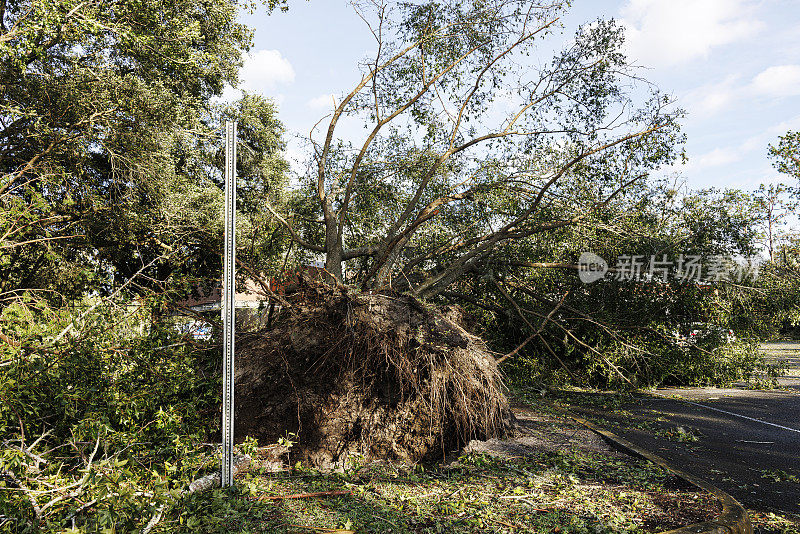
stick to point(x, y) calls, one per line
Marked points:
point(386, 120)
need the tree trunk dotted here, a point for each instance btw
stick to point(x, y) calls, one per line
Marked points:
point(438, 283)
point(333, 262)
point(333, 243)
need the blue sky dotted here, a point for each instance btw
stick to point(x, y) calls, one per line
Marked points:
point(734, 65)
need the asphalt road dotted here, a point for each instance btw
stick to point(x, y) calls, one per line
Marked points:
point(746, 442)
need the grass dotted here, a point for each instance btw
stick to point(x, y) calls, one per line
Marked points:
point(568, 491)
point(679, 433)
point(769, 522)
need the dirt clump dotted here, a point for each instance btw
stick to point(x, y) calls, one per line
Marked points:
point(367, 376)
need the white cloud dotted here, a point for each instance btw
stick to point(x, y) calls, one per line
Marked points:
point(669, 32)
point(709, 99)
point(769, 135)
point(741, 152)
point(261, 72)
point(229, 94)
point(774, 82)
point(716, 158)
point(264, 70)
point(322, 102)
point(297, 158)
point(778, 81)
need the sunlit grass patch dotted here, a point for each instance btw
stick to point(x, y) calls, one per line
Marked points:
point(772, 523)
point(571, 492)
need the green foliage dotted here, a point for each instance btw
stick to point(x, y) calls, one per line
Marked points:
point(110, 178)
point(680, 434)
point(772, 522)
point(110, 142)
point(767, 307)
point(189, 211)
point(464, 151)
point(778, 475)
point(787, 154)
point(101, 428)
point(711, 222)
point(619, 332)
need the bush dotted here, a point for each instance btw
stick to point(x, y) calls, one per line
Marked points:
point(100, 427)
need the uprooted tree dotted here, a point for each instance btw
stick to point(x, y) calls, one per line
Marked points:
point(470, 147)
point(477, 161)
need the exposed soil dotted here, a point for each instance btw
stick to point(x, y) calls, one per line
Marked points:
point(375, 376)
point(537, 432)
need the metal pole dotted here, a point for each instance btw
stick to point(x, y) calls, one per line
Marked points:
point(229, 304)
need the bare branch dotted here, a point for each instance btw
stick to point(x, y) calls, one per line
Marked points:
point(537, 332)
point(295, 236)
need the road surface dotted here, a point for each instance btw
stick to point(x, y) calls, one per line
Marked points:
point(747, 442)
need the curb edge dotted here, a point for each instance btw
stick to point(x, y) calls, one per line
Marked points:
point(732, 520)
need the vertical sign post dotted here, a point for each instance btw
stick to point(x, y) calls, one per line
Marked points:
point(229, 304)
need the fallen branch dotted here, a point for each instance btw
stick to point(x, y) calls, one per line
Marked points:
point(555, 323)
point(535, 334)
point(329, 530)
point(265, 286)
point(509, 525)
point(37, 510)
point(213, 480)
point(71, 327)
point(9, 341)
point(154, 520)
point(28, 451)
point(81, 483)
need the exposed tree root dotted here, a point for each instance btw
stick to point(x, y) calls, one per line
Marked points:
point(367, 375)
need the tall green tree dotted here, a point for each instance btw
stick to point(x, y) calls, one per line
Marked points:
point(775, 208)
point(107, 139)
point(786, 154)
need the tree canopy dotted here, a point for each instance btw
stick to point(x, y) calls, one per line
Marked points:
point(474, 139)
point(786, 154)
point(108, 142)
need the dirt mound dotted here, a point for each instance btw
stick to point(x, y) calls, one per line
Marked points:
point(375, 376)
